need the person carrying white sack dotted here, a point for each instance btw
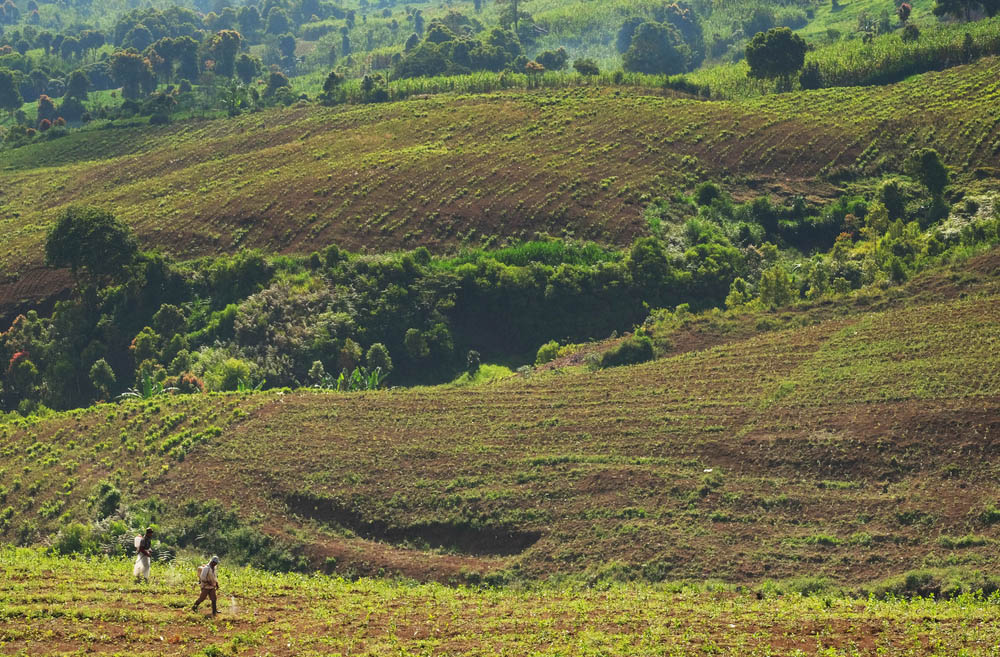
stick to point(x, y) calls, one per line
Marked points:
point(209, 584)
point(143, 545)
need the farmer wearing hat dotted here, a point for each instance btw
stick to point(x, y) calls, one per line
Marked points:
point(209, 584)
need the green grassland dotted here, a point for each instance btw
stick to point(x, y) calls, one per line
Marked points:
point(853, 446)
point(456, 169)
point(73, 606)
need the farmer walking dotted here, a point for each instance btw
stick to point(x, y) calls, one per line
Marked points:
point(143, 545)
point(209, 584)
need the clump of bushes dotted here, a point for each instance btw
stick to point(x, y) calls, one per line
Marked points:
point(547, 353)
point(947, 583)
point(631, 351)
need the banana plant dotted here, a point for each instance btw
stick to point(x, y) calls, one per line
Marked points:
point(147, 389)
point(242, 385)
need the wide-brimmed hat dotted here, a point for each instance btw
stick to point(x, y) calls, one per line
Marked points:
point(214, 560)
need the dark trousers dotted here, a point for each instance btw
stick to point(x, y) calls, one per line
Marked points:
point(210, 594)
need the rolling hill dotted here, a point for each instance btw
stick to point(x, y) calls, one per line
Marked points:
point(853, 445)
point(448, 170)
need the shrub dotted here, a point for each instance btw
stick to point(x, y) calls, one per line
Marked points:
point(629, 352)
point(378, 356)
point(990, 515)
point(74, 539)
point(553, 60)
point(586, 67)
point(229, 373)
point(547, 352)
point(472, 362)
point(937, 583)
point(811, 77)
point(707, 192)
point(185, 383)
point(106, 499)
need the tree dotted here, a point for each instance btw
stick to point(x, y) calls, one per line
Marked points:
point(70, 47)
point(286, 46)
point(656, 48)
point(514, 13)
point(10, 95)
point(332, 92)
point(247, 68)
point(927, 167)
point(627, 31)
point(46, 109)
point(553, 60)
point(185, 50)
point(903, 11)
point(277, 21)
point(102, 377)
point(132, 71)
point(648, 267)
point(44, 40)
point(223, 47)
point(77, 85)
point(92, 241)
point(139, 37)
point(276, 81)
point(249, 19)
point(91, 39)
point(777, 53)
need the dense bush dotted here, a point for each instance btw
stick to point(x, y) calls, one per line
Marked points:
point(630, 351)
point(547, 352)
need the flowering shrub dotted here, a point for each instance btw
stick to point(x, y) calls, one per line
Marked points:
point(186, 383)
point(15, 359)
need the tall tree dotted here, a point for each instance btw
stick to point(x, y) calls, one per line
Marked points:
point(249, 20)
point(10, 95)
point(777, 53)
point(92, 242)
point(223, 46)
point(277, 21)
point(132, 71)
point(513, 4)
point(77, 85)
point(657, 48)
point(247, 68)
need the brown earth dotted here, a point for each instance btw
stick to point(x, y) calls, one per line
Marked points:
point(451, 171)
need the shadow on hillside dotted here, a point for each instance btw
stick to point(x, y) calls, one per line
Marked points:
point(462, 537)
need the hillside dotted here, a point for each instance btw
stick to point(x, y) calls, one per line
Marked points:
point(855, 446)
point(459, 169)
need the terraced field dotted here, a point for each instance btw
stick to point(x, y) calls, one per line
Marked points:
point(453, 169)
point(62, 606)
point(854, 448)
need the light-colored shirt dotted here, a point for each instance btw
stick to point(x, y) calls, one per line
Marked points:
point(207, 577)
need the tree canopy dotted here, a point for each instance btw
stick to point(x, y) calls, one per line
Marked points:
point(777, 53)
point(91, 240)
point(10, 95)
point(657, 48)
